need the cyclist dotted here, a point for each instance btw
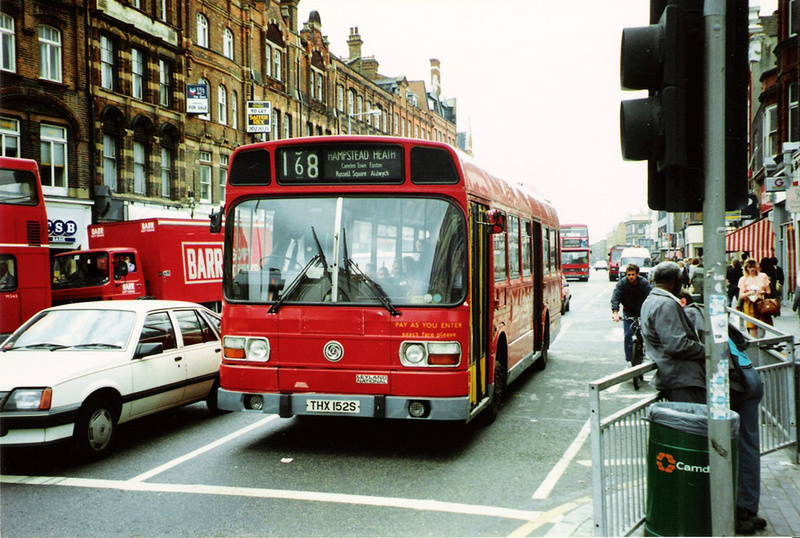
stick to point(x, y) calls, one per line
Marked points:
point(630, 292)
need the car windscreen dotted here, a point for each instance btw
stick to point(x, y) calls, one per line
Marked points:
point(88, 329)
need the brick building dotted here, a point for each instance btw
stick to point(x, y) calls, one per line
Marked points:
point(133, 107)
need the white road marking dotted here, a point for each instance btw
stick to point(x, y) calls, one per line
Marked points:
point(428, 505)
point(202, 450)
point(549, 516)
point(555, 473)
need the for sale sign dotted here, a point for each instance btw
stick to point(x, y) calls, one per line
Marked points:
point(196, 99)
point(259, 116)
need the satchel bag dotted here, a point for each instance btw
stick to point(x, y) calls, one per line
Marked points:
point(768, 307)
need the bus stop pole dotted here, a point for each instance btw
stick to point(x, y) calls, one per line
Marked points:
point(714, 288)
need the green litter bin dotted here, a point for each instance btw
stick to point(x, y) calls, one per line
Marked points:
point(678, 485)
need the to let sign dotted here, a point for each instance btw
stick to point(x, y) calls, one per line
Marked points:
point(259, 116)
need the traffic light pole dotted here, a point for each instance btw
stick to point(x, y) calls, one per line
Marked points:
point(714, 289)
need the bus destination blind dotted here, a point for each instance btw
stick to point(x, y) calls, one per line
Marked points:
point(352, 163)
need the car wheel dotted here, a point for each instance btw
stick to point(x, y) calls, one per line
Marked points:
point(95, 427)
point(211, 399)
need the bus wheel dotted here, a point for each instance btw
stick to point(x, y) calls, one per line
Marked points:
point(541, 364)
point(500, 380)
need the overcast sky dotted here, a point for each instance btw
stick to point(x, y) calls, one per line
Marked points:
point(537, 83)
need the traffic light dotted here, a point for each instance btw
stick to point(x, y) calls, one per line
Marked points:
point(666, 128)
point(737, 79)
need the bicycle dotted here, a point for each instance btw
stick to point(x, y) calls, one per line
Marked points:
point(637, 349)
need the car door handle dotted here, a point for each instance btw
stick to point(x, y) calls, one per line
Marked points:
point(178, 359)
point(218, 350)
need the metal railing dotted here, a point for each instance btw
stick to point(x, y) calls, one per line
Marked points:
point(619, 439)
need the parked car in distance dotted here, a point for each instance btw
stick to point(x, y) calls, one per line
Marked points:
point(565, 295)
point(76, 371)
point(601, 265)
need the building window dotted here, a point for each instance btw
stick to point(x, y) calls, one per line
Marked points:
point(223, 176)
point(794, 113)
point(793, 17)
point(54, 157)
point(351, 102)
point(770, 132)
point(9, 137)
point(166, 172)
point(8, 61)
point(276, 63)
point(276, 124)
point(139, 167)
point(110, 161)
point(137, 73)
point(49, 53)
point(207, 115)
point(162, 10)
point(202, 30)
point(340, 98)
point(227, 43)
point(222, 105)
point(106, 63)
point(287, 126)
point(234, 110)
point(205, 177)
point(164, 83)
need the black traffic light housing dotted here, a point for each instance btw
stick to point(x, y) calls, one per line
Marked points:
point(667, 128)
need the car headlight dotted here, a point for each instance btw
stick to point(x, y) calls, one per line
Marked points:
point(38, 399)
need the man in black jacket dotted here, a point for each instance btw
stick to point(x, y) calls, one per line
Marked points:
point(630, 292)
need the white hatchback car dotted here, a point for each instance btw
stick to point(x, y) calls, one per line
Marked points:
point(76, 371)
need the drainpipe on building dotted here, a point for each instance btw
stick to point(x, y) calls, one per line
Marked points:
point(90, 103)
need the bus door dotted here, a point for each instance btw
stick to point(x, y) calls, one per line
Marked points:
point(480, 304)
point(538, 284)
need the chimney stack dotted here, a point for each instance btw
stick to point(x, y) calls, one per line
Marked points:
point(436, 78)
point(354, 42)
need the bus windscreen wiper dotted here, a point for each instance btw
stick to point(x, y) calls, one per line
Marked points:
point(293, 284)
point(376, 288)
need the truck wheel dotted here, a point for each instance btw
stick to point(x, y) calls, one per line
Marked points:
point(94, 429)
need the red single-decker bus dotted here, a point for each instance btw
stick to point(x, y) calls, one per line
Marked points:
point(380, 277)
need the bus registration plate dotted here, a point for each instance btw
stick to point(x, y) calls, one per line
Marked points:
point(333, 406)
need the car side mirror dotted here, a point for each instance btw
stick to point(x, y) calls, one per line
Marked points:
point(148, 349)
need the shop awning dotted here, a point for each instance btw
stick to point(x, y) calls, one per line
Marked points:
point(756, 239)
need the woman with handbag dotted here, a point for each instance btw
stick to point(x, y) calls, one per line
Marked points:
point(754, 288)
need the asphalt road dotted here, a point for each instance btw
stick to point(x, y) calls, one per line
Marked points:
point(189, 473)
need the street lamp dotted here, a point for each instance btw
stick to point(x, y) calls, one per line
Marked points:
point(350, 117)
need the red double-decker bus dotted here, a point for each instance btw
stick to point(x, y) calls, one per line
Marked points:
point(381, 277)
point(575, 251)
point(24, 248)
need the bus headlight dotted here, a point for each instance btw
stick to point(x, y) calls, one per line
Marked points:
point(242, 348)
point(413, 354)
point(446, 354)
point(258, 349)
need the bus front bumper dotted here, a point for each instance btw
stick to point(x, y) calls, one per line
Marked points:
point(372, 406)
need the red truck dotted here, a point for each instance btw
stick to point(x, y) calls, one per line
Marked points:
point(160, 258)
